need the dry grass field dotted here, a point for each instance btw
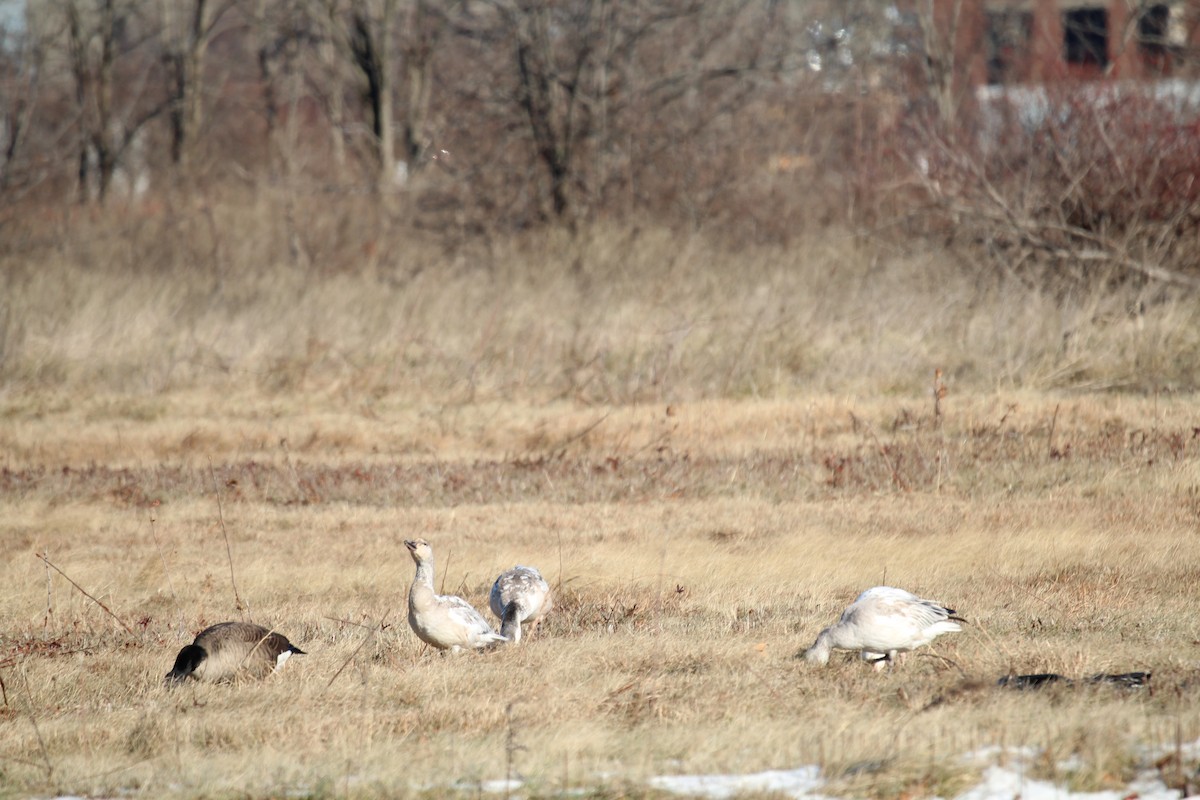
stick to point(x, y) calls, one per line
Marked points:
point(708, 455)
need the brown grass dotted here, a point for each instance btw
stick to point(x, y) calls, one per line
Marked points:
point(688, 578)
point(707, 464)
point(373, 314)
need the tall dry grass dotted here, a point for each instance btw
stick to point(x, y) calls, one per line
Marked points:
point(343, 299)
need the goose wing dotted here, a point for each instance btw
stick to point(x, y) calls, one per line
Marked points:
point(926, 613)
point(242, 638)
point(887, 601)
point(464, 616)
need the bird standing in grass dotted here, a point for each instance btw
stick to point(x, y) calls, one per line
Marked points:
point(444, 621)
point(230, 650)
point(882, 623)
point(520, 595)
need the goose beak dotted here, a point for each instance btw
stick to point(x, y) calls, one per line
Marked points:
point(411, 545)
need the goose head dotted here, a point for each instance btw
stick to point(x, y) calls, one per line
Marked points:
point(419, 549)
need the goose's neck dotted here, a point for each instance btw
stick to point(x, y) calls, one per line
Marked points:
point(819, 652)
point(424, 574)
point(840, 637)
point(511, 623)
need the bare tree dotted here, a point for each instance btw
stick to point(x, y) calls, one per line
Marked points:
point(557, 86)
point(391, 45)
point(369, 39)
point(330, 84)
point(583, 76)
point(424, 26)
point(21, 60)
point(187, 28)
point(111, 79)
point(281, 34)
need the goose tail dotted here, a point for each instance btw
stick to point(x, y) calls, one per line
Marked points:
point(945, 626)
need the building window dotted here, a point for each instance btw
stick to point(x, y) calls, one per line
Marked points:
point(1153, 29)
point(1085, 34)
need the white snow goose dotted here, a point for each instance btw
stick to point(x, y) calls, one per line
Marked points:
point(444, 621)
point(520, 596)
point(882, 623)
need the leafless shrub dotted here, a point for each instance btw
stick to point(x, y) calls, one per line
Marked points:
point(1073, 185)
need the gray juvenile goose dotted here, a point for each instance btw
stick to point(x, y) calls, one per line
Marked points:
point(520, 595)
point(444, 621)
point(231, 650)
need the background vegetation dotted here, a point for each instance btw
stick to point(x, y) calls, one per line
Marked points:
point(718, 312)
point(608, 201)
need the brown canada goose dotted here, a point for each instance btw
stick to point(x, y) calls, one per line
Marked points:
point(520, 595)
point(1124, 680)
point(231, 650)
point(883, 622)
point(444, 621)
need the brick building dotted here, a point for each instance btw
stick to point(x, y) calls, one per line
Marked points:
point(1046, 41)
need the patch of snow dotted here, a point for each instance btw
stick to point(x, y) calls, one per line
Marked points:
point(1072, 763)
point(501, 786)
point(1000, 783)
point(1188, 750)
point(793, 783)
